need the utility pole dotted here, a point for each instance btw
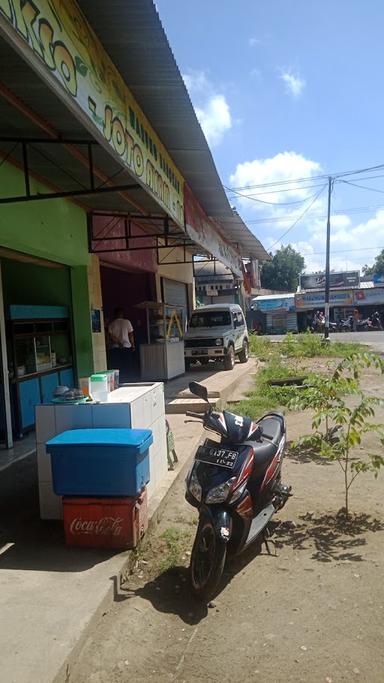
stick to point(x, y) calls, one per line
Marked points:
point(327, 262)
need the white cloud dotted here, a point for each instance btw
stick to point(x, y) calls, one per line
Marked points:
point(353, 243)
point(348, 242)
point(294, 85)
point(286, 167)
point(253, 41)
point(211, 107)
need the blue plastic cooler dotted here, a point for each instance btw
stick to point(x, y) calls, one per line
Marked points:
point(100, 462)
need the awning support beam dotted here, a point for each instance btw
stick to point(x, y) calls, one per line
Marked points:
point(64, 194)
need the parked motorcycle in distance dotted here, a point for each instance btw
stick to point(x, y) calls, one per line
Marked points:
point(346, 325)
point(236, 486)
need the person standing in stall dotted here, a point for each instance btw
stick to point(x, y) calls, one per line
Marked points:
point(122, 342)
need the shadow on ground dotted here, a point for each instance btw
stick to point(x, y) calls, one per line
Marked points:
point(170, 593)
point(27, 542)
point(304, 455)
point(333, 537)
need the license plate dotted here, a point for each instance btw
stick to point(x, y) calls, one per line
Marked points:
point(222, 457)
point(200, 352)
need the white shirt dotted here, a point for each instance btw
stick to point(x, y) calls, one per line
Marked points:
point(120, 329)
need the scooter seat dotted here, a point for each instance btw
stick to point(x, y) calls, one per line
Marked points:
point(272, 428)
point(265, 451)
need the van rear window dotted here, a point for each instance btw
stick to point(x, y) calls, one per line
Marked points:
point(210, 319)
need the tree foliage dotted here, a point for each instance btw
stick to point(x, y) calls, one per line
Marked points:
point(378, 266)
point(282, 272)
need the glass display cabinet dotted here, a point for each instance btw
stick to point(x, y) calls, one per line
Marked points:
point(39, 359)
point(162, 357)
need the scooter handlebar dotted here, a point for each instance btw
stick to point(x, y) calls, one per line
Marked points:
point(197, 416)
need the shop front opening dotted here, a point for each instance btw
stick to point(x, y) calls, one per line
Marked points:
point(126, 290)
point(38, 340)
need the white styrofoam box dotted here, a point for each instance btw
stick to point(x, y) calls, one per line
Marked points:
point(158, 405)
point(111, 415)
point(141, 411)
point(158, 463)
point(45, 423)
point(51, 506)
point(44, 464)
point(73, 417)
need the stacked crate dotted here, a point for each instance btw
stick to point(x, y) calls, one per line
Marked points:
point(138, 406)
point(102, 475)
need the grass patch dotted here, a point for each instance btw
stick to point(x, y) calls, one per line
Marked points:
point(310, 345)
point(306, 345)
point(265, 397)
point(174, 543)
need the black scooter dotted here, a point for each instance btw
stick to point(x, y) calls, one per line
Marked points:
point(235, 483)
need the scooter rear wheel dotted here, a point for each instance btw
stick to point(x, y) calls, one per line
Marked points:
point(207, 561)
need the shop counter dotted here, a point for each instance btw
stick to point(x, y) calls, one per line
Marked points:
point(162, 361)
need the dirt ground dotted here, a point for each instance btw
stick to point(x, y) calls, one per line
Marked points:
point(312, 610)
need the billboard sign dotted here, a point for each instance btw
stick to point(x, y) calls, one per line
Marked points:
point(308, 301)
point(317, 280)
point(278, 305)
point(368, 297)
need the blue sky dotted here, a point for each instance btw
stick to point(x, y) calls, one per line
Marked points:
point(288, 89)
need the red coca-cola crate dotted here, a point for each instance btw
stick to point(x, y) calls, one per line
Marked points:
point(105, 522)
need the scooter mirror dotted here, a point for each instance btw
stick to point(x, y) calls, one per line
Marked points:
point(199, 390)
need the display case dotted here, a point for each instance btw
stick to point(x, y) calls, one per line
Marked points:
point(39, 358)
point(162, 357)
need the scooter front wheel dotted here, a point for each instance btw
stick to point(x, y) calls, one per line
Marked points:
point(207, 561)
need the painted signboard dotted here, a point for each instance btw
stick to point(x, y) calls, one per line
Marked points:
point(278, 305)
point(56, 34)
point(317, 280)
point(368, 297)
point(317, 299)
point(206, 232)
point(378, 279)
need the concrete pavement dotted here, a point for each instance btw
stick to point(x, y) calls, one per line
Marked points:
point(50, 594)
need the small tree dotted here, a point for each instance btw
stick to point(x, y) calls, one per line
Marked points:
point(378, 266)
point(283, 271)
point(339, 428)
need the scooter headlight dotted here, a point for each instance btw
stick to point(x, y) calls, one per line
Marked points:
point(238, 492)
point(194, 487)
point(219, 494)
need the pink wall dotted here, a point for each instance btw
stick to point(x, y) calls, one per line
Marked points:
point(113, 226)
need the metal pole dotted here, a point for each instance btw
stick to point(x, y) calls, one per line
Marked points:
point(327, 262)
point(5, 374)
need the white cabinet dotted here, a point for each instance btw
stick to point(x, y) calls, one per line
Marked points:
point(139, 406)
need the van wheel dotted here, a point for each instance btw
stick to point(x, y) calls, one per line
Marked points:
point(244, 353)
point(229, 360)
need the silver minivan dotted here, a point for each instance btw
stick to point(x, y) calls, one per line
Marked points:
point(217, 332)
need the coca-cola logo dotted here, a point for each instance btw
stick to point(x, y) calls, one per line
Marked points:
point(106, 526)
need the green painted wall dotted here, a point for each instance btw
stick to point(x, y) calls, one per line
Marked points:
point(52, 229)
point(81, 321)
point(26, 283)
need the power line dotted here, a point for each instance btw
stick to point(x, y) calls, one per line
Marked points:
point(341, 251)
point(337, 212)
point(363, 187)
point(300, 217)
point(262, 201)
point(340, 174)
point(287, 189)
